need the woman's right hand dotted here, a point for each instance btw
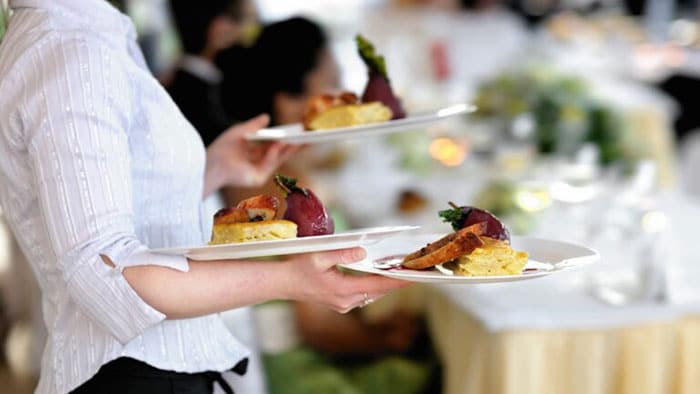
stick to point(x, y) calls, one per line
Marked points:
point(314, 278)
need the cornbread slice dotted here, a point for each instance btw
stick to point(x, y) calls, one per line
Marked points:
point(350, 115)
point(253, 231)
point(493, 258)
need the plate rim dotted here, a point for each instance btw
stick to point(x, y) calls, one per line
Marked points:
point(282, 242)
point(420, 117)
point(557, 267)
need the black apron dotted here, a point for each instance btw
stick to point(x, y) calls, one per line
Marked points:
point(127, 375)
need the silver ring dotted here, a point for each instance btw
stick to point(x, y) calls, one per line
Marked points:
point(366, 300)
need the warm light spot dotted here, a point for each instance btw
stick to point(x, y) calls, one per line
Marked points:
point(18, 349)
point(448, 151)
point(533, 200)
point(654, 221)
point(4, 248)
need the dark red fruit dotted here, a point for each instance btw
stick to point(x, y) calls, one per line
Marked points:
point(305, 209)
point(378, 86)
point(379, 89)
point(461, 217)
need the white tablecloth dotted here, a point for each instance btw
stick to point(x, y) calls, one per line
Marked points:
point(565, 301)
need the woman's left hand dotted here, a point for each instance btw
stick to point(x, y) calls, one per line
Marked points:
point(234, 161)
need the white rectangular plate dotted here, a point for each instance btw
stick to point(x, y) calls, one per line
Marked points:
point(349, 239)
point(295, 133)
point(546, 257)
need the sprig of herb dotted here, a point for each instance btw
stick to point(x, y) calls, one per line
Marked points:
point(374, 61)
point(455, 216)
point(289, 185)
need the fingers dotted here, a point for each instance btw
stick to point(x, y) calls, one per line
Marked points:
point(373, 284)
point(287, 152)
point(276, 155)
point(324, 261)
point(250, 126)
point(359, 301)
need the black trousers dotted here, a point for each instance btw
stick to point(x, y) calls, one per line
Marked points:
point(126, 375)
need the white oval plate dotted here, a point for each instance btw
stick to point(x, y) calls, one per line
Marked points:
point(349, 239)
point(295, 133)
point(546, 257)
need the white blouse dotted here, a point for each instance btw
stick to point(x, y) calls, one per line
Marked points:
point(96, 159)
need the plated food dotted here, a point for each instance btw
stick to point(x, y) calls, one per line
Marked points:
point(256, 218)
point(252, 219)
point(378, 103)
point(479, 246)
point(279, 247)
point(546, 257)
point(296, 134)
point(327, 111)
point(305, 209)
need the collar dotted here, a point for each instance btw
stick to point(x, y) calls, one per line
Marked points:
point(84, 7)
point(201, 68)
point(98, 13)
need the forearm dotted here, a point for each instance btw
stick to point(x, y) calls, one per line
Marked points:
point(208, 287)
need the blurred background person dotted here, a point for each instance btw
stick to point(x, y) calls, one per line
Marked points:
point(206, 28)
point(291, 62)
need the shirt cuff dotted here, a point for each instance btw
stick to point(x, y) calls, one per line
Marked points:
point(133, 253)
point(106, 296)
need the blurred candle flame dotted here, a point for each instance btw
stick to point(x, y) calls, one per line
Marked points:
point(448, 151)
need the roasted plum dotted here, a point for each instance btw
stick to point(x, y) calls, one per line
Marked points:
point(464, 216)
point(378, 85)
point(304, 209)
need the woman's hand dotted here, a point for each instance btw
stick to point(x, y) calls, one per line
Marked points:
point(234, 161)
point(314, 278)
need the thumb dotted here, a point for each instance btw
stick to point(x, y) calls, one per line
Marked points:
point(252, 125)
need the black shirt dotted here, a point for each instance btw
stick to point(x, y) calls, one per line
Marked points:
point(200, 102)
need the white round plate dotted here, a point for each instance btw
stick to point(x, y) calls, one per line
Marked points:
point(349, 239)
point(295, 133)
point(546, 257)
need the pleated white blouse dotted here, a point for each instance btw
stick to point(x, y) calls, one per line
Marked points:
point(95, 159)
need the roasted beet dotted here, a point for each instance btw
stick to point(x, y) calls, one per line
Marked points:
point(378, 86)
point(460, 217)
point(379, 89)
point(305, 209)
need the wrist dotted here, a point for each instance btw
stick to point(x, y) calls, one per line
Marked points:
point(285, 284)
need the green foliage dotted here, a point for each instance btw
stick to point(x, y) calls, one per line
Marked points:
point(374, 61)
point(454, 216)
point(4, 17)
point(603, 131)
point(413, 151)
point(564, 112)
point(499, 198)
point(289, 185)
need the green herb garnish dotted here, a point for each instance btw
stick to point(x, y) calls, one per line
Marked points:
point(289, 185)
point(454, 216)
point(374, 61)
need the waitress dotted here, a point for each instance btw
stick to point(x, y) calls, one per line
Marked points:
point(97, 165)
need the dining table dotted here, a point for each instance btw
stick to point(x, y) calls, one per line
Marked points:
point(618, 326)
